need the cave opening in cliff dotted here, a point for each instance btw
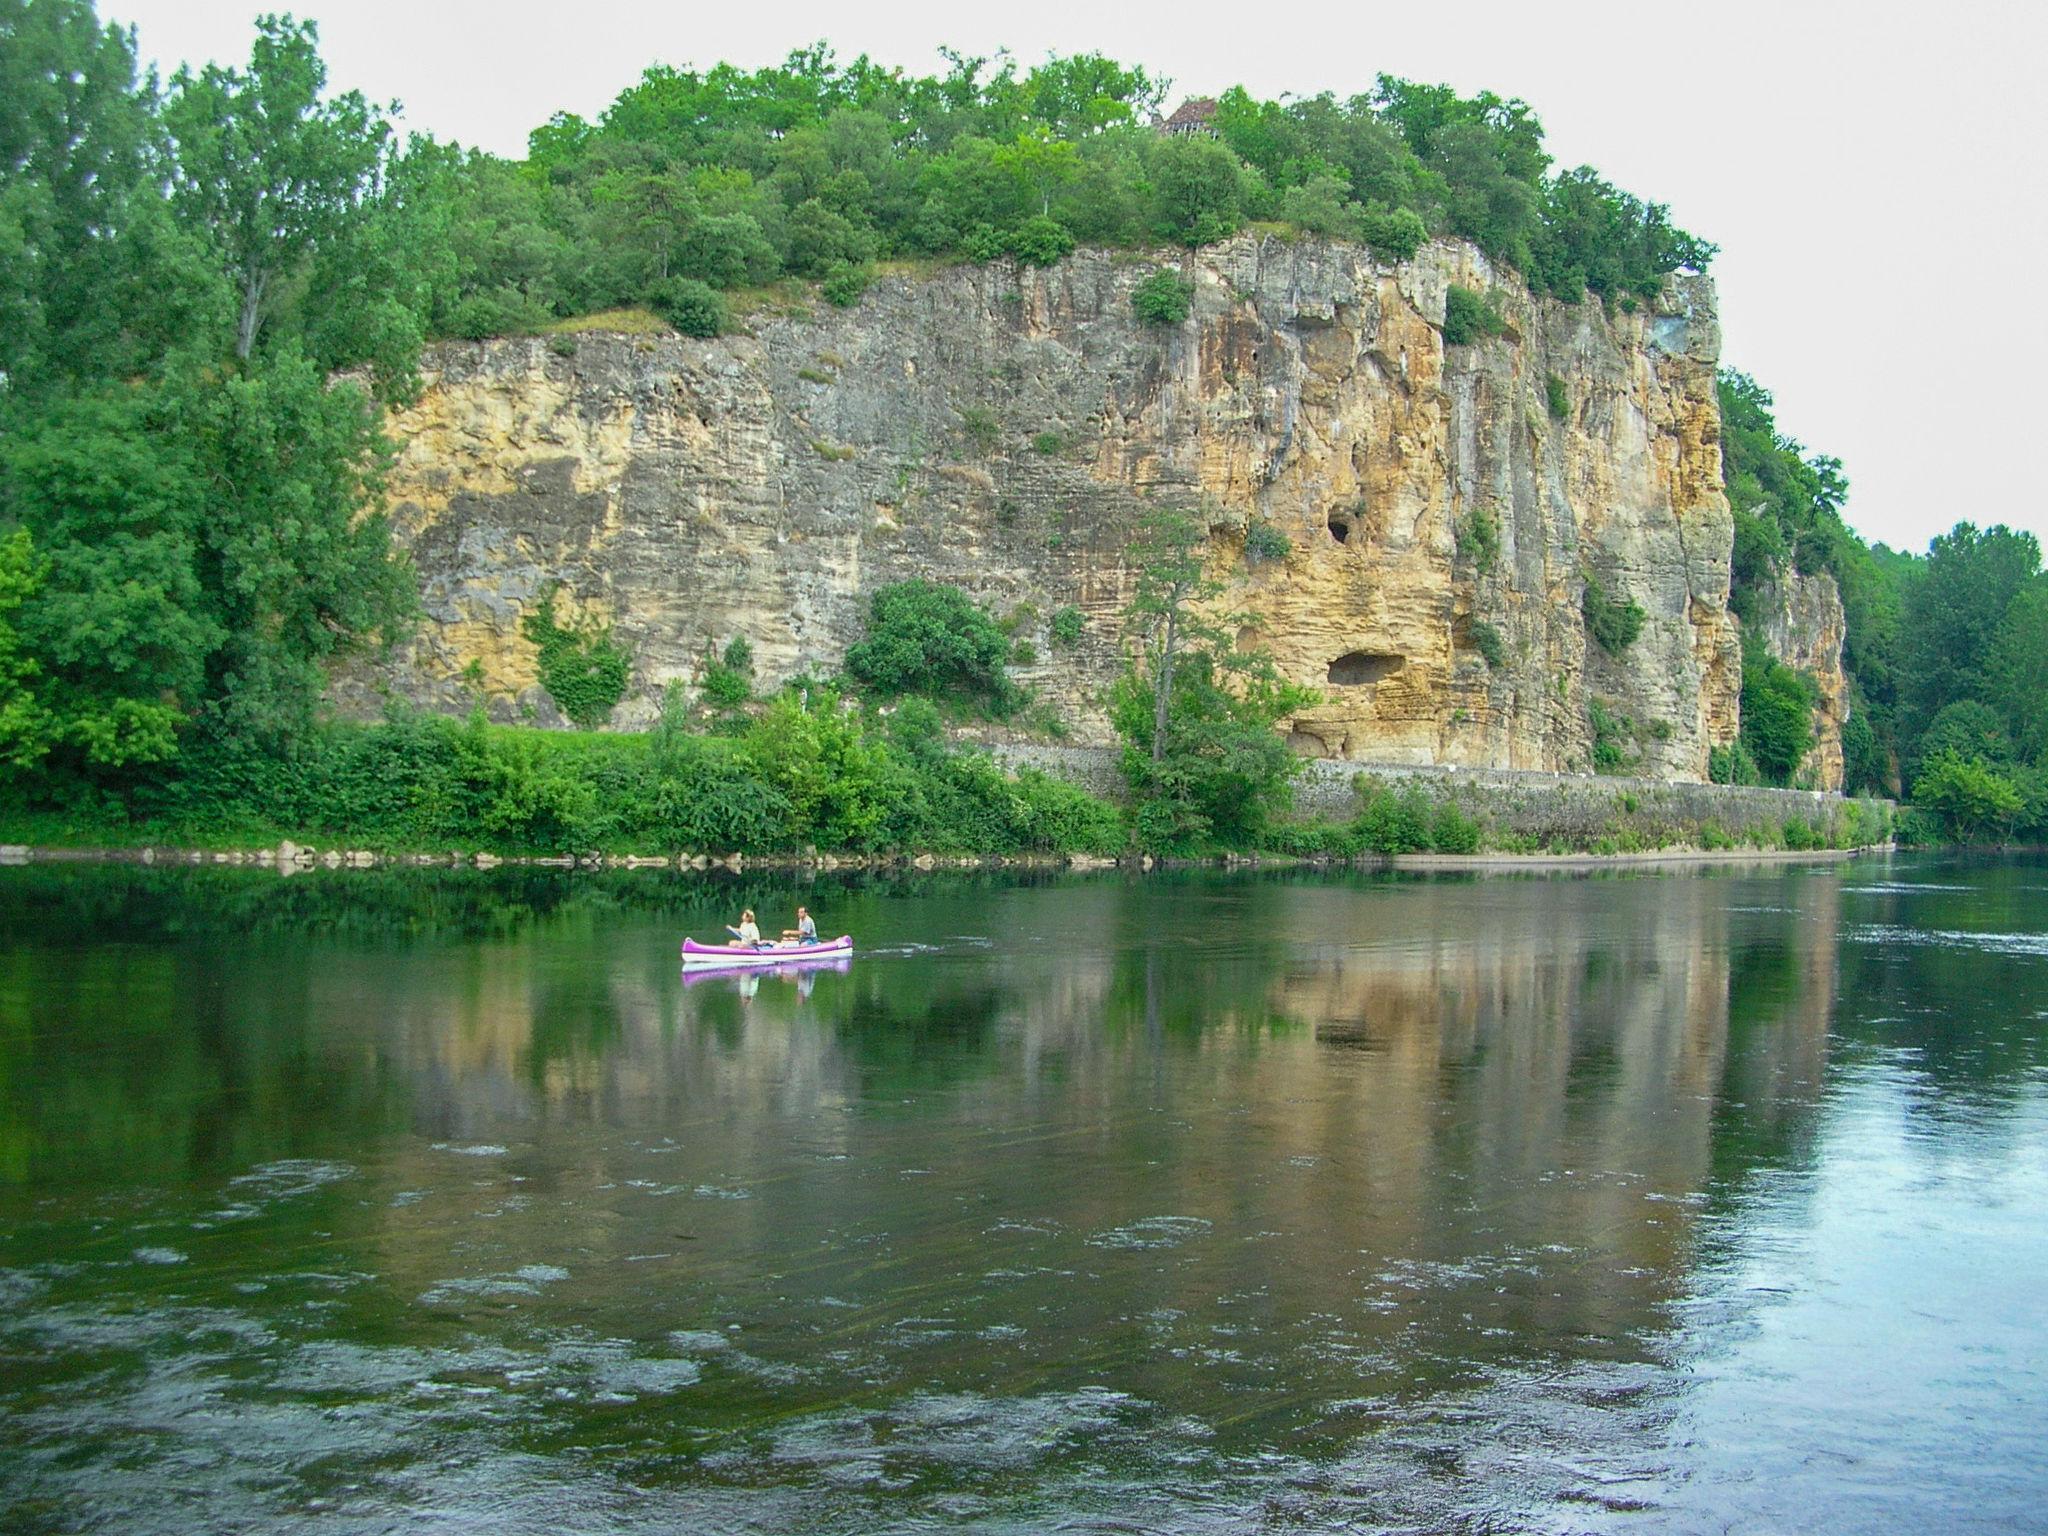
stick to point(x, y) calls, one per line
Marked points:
point(1356, 669)
point(1340, 527)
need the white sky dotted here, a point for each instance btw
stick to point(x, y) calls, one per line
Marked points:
point(1873, 172)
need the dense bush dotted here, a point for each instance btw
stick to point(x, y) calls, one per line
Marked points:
point(1065, 627)
point(929, 638)
point(1777, 712)
point(1732, 764)
point(726, 680)
point(692, 307)
point(1614, 625)
point(1040, 241)
point(1162, 299)
point(1262, 541)
point(1556, 398)
point(1972, 800)
point(844, 284)
point(1470, 317)
point(583, 670)
point(1478, 539)
point(808, 772)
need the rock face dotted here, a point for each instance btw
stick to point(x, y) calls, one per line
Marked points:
point(1802, 623)
point(1004, 429)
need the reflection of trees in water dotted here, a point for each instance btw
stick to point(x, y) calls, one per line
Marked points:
point(931, 1039)
point(148, 1065)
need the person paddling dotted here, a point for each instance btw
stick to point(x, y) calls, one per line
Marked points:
point(805, 931)
point(748, 932)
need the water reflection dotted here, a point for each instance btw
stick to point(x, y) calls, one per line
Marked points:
point(1212, 1202)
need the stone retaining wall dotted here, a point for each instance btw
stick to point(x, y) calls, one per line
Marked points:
point(1549, 808)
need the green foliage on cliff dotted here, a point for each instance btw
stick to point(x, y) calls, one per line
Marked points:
point(1777, 713)
point(929, 638)
point(1487, 642)
point(1613, 624)
point(814, 167)
point(1162, 299)
point(1966, 623)
point(1470, 316)
point(582, 668)
point(1197, 711)
point(726, 680)
point(1478, 539)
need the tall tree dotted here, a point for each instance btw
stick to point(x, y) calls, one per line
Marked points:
point(94, 280)
point(265, 167)
point(1952, 612)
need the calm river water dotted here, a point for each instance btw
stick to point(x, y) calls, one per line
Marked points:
point(411, 1201)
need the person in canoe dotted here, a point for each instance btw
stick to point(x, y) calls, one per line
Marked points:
point(805, 931)
point(748, 932)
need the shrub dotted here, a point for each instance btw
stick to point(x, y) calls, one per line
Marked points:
point(694, 308)
point(1040, 241)
point(727, 680)
point(1487, 642)
point(1971, 800)
point(1066, 627)
point(925, 637)
point(1048, 443)
point(1394, 235)
point(1557, 398)
point(1470, 317)
point(1262, 541)
point(1163, 299)
point(845, 283)
point(1614, 625)
point(1612, 735)
point(1023, 654)
point(1732, 764)
point(1478, 539)
point(1452, 831)
point(983, 243)
point(583, 671)
point(981, 426)
point(1391, 823)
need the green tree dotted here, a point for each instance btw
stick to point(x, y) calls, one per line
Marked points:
point(95, 281)
point(1197, 190)
point(1197, 713)
point(930, 638)
point(1777, 712)
point(2013, 669)
point(26, 727)
point(1951, 615)
point(1973, 801)
point(265, 168)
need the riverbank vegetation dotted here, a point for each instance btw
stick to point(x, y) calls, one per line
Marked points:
point(1943, 651)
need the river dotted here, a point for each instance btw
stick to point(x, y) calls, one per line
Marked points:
point(368, 1201)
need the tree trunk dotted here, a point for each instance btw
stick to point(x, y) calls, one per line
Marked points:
point(252, 315)
point(1163, 686)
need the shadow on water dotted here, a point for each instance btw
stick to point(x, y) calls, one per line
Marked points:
point(1194, 1202)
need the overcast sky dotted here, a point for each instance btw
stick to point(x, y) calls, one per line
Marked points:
point(1873, 172)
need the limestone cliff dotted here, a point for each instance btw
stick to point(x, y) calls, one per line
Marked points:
point(1003, 429)
point(1803, 626)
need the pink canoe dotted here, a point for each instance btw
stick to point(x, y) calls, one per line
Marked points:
point(697, 955)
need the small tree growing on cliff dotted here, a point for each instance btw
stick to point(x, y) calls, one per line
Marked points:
point(1197, 711)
